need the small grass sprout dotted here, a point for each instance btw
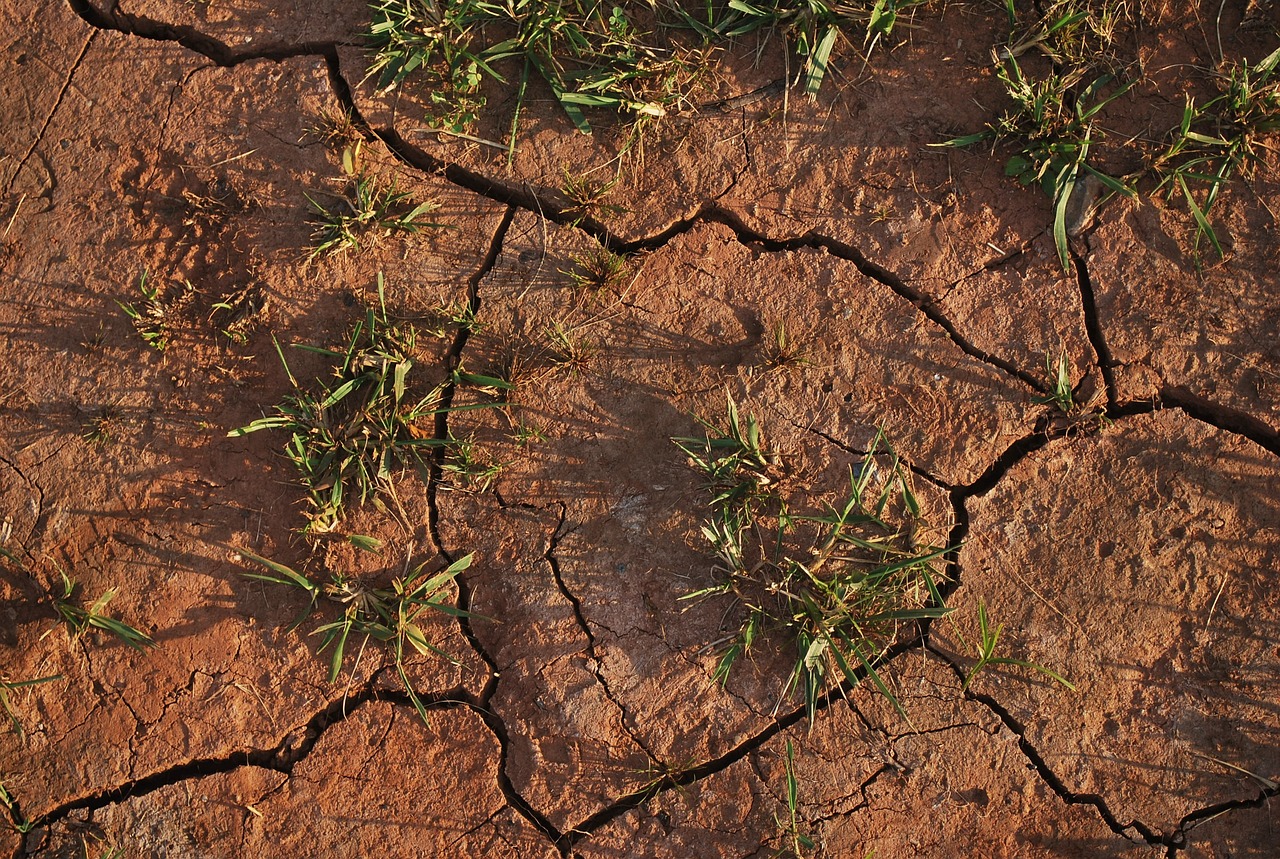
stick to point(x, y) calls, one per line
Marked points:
point(525, 433)
point(584, 191)
point(986, 650)
point(467, 466)
point(1060, 393)
point(153, 317)
point(1072, 410)
point(392, 615)
point(568, 349)
point(81, 619)
point(782, 350)
point(795, 842)
point(368, 211)
point(597, 271)
point(103, 425)
point(337, 128)
point(733, 457)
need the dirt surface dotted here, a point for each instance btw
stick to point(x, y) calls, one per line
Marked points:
point(1132, 545)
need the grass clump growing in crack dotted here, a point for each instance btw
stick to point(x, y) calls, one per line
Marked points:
point(1221, 138)
point(587, 193)
point(589, 55)
point(392, 615)
point(351, 433)
point(468, 466)
point(840, 584)
point(103, 425)
point(598, 271)
point(1061, 393)
point(337, 128)
point(367, 211)
point(1051, 123)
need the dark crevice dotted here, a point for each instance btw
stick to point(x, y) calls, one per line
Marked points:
point(985, 482)
point(452, 359)
point(190, 38)
point(498, 728)
point(674, 781)
point(593, 658)
point(342, 92)
point(1206, 411)
point(482, 707)
point(1093, 328)
point(1199, 817)
point(841, 250)
point(959, 533)
point(53, 111)
point(995, 472)
point(17, 821)
point(1048, 430)
point(1223, 417)
point(713, 214)
point(282, 758)
point(1127, 831)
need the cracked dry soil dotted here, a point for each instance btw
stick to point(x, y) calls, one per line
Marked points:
point(1137, 554)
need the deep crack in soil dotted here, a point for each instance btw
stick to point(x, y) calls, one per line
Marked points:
point(811, 258)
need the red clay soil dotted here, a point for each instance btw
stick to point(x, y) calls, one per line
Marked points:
point(1131, 546)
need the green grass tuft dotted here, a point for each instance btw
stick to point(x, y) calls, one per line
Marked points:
point(840, 584)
